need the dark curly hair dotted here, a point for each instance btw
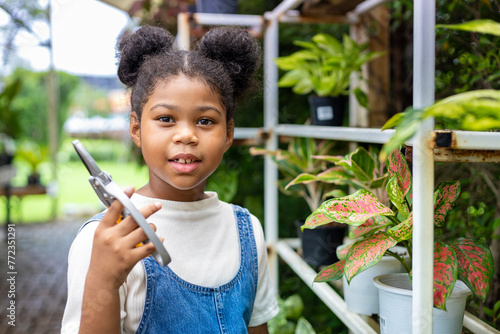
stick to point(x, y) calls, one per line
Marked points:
point(225, 59)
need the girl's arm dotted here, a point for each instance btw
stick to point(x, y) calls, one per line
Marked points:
point(114, 254)
point(262, 329)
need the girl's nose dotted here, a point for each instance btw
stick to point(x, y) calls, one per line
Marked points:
point(185, 134)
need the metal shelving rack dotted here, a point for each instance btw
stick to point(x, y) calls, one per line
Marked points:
point(423, 156)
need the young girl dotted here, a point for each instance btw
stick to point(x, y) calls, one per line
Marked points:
point(182, 120)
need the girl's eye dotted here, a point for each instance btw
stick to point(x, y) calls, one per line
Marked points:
point(205, 121)
point(165, 119)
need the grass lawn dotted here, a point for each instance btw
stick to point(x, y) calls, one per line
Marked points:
point(75, 195)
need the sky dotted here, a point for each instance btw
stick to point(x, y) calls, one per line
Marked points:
point(84, 38)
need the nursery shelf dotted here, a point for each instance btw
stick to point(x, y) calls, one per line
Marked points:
point(325, 292)
point(355, 322)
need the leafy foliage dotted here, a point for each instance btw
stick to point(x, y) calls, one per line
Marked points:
point(467, 259)
point(324, 65)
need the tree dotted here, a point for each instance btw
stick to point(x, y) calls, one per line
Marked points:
point(31, 102)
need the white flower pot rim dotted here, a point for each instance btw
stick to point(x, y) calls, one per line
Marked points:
point(459, 290)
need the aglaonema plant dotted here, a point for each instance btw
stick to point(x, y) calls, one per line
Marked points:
point(380, 227)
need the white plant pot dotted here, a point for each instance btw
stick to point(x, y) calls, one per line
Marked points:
point(360, 295)
point(396, 306)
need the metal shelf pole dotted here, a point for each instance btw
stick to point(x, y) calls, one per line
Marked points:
point(423, 168)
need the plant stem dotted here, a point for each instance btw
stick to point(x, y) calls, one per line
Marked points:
point(400, 259)
point(394, 220)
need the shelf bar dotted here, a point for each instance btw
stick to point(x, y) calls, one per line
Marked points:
point(363, 135)
point(423, 167)
point(270, 121)
point(478, 326)
point(228, 19)
point(325, 292)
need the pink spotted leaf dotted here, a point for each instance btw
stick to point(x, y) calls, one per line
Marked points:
point(354, 210)
point(402, 231)
point(398, 167)
point(475, 265)
point(371, 225)
point(366, 253)
point(445, 273)
point(445, 194)
point(332, 272)
point(342, 251)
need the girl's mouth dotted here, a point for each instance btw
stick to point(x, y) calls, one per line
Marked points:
point(183, 161)
point(184, 166)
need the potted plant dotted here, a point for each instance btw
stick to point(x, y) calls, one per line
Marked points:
point(34, 155)
point(324, 66)
point(318, 247)
point(363, 170)
point(383, 228)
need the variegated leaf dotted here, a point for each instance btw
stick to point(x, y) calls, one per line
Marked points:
point(371, 225)
point(402, 231)
point(398, 168)
point(354, 209)
point(342, 252)
point(366, 253)
point(317, 218)
point(446, 194)
point(475, 265)
point(329, 158)
point(397, 197)
point(335, 175)
point(359, 162)
point(302, 178)
point(331, 273)
point(445, 273)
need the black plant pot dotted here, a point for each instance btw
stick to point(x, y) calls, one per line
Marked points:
point(34, 179)
point(327, 110)
point(319, 245)
point(217, 6)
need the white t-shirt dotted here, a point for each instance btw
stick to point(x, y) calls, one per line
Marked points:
point(202, 240)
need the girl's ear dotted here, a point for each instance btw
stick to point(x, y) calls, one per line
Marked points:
point(135, 128)
point(229, 135)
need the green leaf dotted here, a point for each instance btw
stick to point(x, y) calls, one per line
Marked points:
point(359, 162)
point(445, 273)
point(481, 26)
point(393, 121)
point(335, 175)
point(366, 253)
point(361, 97)
point(302, 178)
point(354, 210)
point(304, 327)
point(475, 263)
point(407, 125)
point(397, 197)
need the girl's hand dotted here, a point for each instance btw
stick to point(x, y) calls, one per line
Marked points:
point(115, 251)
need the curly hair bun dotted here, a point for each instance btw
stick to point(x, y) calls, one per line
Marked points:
point(134, 48)
point(236, 50)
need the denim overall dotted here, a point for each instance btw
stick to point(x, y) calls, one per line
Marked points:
point(175, 306)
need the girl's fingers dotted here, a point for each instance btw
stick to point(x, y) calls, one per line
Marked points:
point(129, 224)
point(115, 210)
point(137, 236)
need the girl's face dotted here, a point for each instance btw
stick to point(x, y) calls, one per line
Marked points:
point(183, 134)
